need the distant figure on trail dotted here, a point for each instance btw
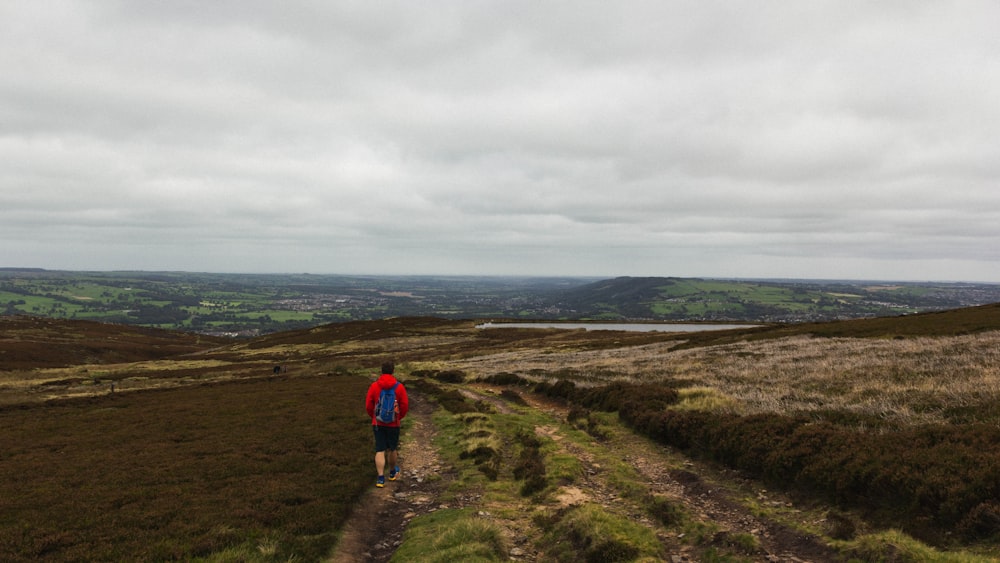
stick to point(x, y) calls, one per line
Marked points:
point(277, 370)
point(387, 404)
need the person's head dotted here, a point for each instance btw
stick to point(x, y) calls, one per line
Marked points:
point(388, 367)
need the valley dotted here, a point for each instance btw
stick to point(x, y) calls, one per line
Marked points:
point(249, 305)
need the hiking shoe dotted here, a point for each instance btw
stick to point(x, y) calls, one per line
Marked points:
point(394, 473)
point(381, 481)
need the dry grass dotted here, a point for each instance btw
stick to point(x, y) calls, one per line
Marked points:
point(909, 380)
point(903, 381)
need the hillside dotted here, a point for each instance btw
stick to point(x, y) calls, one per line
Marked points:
point(763, 300)
point(755, 444)
point(28, 342)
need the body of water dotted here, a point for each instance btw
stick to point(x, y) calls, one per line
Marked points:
point(635, 327)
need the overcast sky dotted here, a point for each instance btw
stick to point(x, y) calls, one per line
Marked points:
point(803, 139)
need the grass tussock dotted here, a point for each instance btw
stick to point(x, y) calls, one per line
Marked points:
point(447, 536)
point(893, 545)
point(594, 534)
point(530, 466)
point(479, 441)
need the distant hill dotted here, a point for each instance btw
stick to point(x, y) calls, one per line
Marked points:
point(625, 296)
point(953, 322)
point(38, 342)
point(248, 305)
point(659, 298)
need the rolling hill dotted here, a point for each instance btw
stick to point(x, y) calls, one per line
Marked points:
point(250, 305)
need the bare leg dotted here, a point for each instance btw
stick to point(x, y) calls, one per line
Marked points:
point(392, 458)
point(380, 463)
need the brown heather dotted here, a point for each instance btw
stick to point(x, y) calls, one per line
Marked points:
point(186, 472)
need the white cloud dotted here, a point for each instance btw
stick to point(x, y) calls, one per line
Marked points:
point(648, 138)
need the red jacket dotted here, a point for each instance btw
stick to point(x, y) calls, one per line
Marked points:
point(386, 381)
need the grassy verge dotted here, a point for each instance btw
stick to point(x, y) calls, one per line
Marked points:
point(453, 535)
point(589, 433)
point(936, 482)
point(518, 474)
point(592, 533)
point(893, 545)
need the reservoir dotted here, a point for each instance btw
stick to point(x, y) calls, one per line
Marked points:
point(634, 327)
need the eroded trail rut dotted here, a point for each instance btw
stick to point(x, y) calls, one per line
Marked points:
point(376, 529)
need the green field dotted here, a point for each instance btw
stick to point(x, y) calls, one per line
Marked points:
point(250, 305)
point(705, 297)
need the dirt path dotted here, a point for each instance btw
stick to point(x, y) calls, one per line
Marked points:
point(698, 488)
point(702, 494)
point(375, 530)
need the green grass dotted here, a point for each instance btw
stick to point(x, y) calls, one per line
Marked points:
point(39, 305)
point(451, 442)
point(893, 545)
point(561, 468)
point(594, 534)
point(697, 297)
point(279, 315)
point(448, 536)
point(591, 533)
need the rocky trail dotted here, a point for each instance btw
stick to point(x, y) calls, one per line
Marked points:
point(376, 529)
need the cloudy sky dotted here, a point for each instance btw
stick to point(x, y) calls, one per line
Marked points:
point(803, 139)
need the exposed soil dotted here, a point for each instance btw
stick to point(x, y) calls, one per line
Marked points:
point(698, 488)
point(375, 530)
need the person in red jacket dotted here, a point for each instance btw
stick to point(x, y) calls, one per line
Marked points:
point(387, 433)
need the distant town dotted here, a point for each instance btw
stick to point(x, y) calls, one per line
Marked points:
point(254, 304)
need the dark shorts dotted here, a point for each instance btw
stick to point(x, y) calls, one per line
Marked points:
point(386, 438)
